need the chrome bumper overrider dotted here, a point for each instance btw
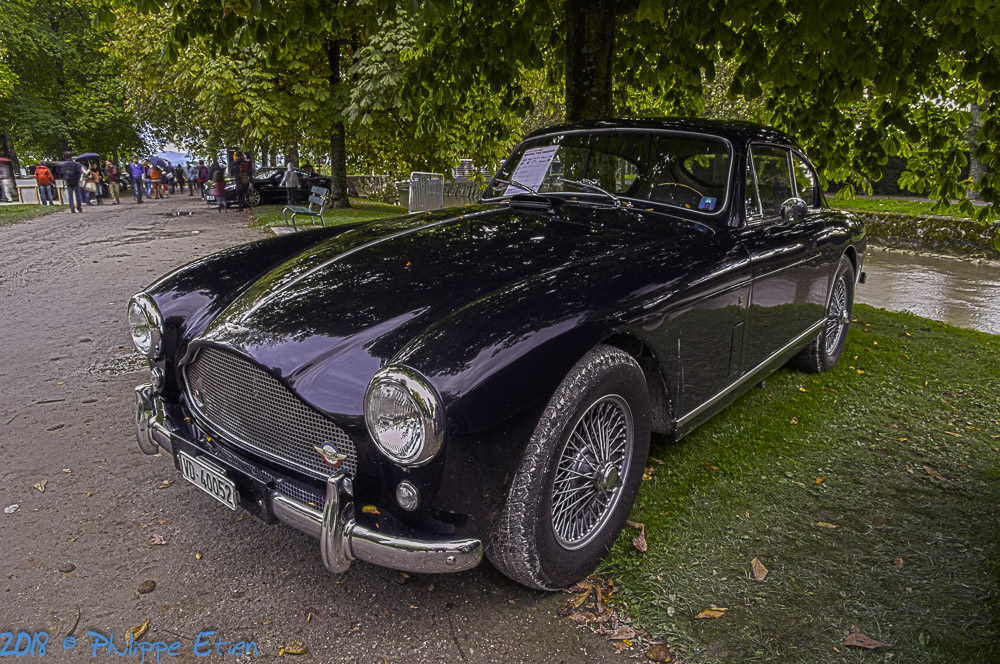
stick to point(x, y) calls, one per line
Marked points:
point(342, 538)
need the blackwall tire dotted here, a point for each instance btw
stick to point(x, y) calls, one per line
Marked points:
point(579, 475)
point(252, 197)
point(823, 351)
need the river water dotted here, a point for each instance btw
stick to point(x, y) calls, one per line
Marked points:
point(954, 291)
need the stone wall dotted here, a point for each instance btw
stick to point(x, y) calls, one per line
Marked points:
point(942, 235)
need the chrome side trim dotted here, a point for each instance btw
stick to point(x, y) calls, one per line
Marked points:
point(750, 376)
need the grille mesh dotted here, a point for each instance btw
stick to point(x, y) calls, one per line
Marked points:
point(251, 408)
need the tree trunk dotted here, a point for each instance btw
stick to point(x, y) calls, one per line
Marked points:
point(590, 53)
point(976, 168)
point(8, 149)
point(292, 153)
point(338, 147)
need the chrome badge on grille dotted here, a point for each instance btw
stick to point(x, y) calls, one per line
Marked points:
point(330, 454)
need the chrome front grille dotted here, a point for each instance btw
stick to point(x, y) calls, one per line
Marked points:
point(253, 409)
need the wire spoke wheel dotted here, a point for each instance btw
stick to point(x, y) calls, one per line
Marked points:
point(588, 476)
point(837, 316)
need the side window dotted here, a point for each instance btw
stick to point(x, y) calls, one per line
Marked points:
point(805, 180)
point(774, 182)
point(752, 202)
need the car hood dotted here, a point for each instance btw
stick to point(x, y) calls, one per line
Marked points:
point(326, 320)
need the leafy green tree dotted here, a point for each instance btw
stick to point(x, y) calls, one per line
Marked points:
point(61, 92)
point(854, 82)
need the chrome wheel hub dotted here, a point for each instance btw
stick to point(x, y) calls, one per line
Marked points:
point(588, 477)
point(838, 316)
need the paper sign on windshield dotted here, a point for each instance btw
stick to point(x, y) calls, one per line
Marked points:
point(531, 169)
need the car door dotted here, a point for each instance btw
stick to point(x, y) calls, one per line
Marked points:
point(790, 274)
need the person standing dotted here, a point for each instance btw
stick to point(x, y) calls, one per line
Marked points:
point(290, 181)
point(203, 177)
point(111, 173)
point(155, 177)
point(135, 172)
point(94, 183)
point(146, 179)
point(85, 182)
point(242, 170)
point(191, 174)
point(43, 176)
point(308, 168)
point(219, 181)
point(72, 172)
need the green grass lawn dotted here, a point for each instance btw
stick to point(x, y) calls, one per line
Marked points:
point(361, 210)
point(11, 214)
point(896, 450)
point(922, 208)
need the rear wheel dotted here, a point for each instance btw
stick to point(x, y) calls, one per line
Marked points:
point(579, 474)
point(823, 352)
point(252, 197)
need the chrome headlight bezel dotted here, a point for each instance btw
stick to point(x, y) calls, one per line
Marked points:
point(427, 406)
point(141, 311)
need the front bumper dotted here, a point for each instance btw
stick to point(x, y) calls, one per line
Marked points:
point(342, 538)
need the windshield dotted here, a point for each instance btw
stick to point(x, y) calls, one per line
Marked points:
point(687, 171)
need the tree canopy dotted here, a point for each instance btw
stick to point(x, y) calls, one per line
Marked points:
point(59, 91)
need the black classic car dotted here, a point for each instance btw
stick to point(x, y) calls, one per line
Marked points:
point(420, 392)
point(266, 188)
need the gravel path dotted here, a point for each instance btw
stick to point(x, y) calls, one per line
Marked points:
point(67, 372)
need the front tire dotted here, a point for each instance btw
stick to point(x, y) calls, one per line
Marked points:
point(823, 352)
point(579, 475)
point(252, 197)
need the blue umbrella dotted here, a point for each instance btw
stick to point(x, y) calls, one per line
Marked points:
point(87, 156)
point(173, 157)
point(159, 163)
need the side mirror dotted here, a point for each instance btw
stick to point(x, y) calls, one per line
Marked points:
point(793, 209)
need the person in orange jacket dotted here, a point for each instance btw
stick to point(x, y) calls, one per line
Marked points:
point(43, 176)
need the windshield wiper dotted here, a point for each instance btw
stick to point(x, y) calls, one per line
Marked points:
point(516, 184)
point(593, 187)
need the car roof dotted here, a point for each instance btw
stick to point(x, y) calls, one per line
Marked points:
point(737, 131)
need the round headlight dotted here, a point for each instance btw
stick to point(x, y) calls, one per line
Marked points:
point(404, 416)
point(146, 325)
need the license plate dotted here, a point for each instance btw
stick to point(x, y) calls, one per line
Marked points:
point(210, 198)
point(209, 478)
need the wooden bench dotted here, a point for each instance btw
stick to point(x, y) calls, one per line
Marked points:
point(317, 197)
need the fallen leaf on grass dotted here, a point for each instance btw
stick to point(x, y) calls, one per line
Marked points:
point(293, 648)
point(824, 524)
point(708, 465)
point(657, 461)
point(859, 640)
point(135, 633)
point(639, 542)
point(647, 474)
point(712, 612)
point(40, 485)
point(898, 562)
point(909, 470)
point(659, 653)
point(156, 540)
point(794, 420)
point(759, 571)
point(820, 480)
point(623, 632)
point(933, 473)
point(952, 433)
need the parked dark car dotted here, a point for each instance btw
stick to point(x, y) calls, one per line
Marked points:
point(418, 392)
point(266, 188)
